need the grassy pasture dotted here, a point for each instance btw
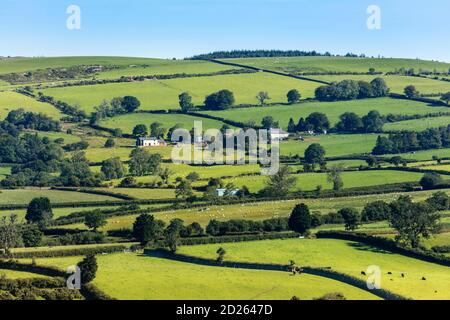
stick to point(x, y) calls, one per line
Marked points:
point(12, 100)
point(444, 167)
point(157, 95)
point(344, 256)
point(62, 212)
point(259, 210)
point(339, 64)
point(13, 275)
point(309, 181)
point(418, 124)
point(397, 84)
point(425, 154)
point(166, 67)
point(142, 193)
point(182, 170)
point(333, 110)
point(127, 122)
point(24, 196)
point(68, 138)
point(335, 145)
point(13, 65)
point(137, 277)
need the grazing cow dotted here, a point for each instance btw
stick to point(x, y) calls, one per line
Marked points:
point(424, 279)
point(363, 273)
point(389, 272)
point(403, 275)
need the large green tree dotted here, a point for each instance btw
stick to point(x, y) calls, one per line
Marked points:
point(220, 100)
point(280, 184)
point(293, 96)
point(95, 220)
point(413, 221)
point(300, 219)
point(351, 218)
point(88, 268)
point(146, 229)
point(130, 103)
point(39, 211)
point(113, 168)
point(185, 101)
point(315, 155)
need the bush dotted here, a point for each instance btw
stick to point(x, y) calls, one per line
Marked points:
point(431, 180)
point(88, 269)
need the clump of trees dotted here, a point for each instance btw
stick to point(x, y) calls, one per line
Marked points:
point(113, 168)
point(220, 100)
point(350, 90)
point(33, 121)
point(143, 162)
point(114, 107)
point(411, 92)
point(293, 96)
point(431, 180)
point(350, 122)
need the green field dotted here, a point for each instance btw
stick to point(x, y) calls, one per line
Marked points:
point(129, 121)
point(424, 155)
point(24, 196)
point(397, 84)
point(309, 181)
point(339, 64)
point(332, 109)
point(259, 210)
point(144, 66)
point(142, 193)
point(161, 95)
point(68, 138)
point(137, 277)
point(11, 101)
point(165, 67)
point(13, 275)
point(335, 145)
point(418, 124)
point(182, 170)
point(344, 256)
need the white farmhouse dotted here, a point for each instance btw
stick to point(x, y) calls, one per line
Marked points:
point(278, 135)
point(150, 142)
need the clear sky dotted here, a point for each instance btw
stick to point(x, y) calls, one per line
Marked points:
point(180, 28)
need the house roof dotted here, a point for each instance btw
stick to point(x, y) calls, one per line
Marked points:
point(148, 139)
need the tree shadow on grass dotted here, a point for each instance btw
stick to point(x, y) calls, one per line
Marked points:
point(367, 248)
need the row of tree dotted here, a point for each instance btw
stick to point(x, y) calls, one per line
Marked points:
point(434, 138)
point(349, 122)
point(351, 89)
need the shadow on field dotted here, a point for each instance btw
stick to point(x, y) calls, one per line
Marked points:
point(365, 247)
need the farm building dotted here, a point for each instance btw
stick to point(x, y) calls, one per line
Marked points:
point(223, 192)
point(278, 135)
point(150, 142)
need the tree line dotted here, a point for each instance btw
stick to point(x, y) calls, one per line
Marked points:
point(408, 141)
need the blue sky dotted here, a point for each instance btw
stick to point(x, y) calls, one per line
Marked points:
point(180, 28)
